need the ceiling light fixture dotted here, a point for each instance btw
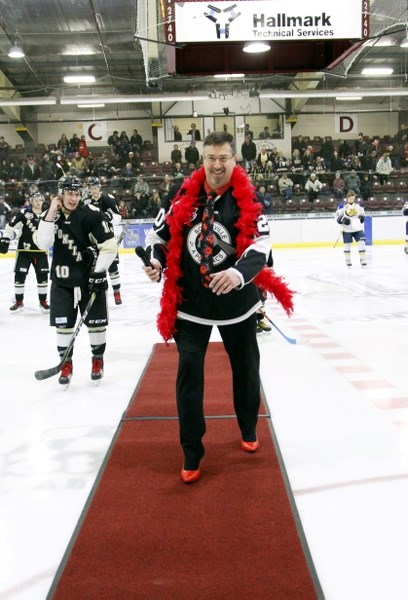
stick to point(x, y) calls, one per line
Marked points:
point(50, 100)
point(377, 71)
point(16, 51)
point(81, 100)
point(229, 75)
point(96, 105)
point(256, 47)
point(348, 98)
point(380, 92)
point(79, 79)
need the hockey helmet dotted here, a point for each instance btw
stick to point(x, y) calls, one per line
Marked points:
point(69, 182)
point(94, 181)
point(37, 196)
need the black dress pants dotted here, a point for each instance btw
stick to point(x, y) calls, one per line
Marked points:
point(242, 348)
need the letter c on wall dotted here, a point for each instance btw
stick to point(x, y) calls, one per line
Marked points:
point(91, 133)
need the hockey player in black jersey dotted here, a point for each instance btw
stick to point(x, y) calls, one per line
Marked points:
point(24, 224)
point(108, 205)
point(84, 246)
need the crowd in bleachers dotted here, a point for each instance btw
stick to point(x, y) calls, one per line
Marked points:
point(315, 177)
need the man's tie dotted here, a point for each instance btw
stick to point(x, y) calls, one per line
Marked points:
point(206, 240)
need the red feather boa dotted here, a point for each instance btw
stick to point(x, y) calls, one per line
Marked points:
point(182, 211)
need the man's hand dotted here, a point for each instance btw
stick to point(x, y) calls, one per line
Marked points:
point(224, 281)
point(154, 274)
point(97, 282)
point(4, 245)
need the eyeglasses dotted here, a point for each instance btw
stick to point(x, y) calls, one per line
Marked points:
point(213, 159)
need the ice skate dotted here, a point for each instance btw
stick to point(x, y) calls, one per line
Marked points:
point(97, 369)
point(45, 307)
point(17, 306)
point(262, 326)
point(66, 374)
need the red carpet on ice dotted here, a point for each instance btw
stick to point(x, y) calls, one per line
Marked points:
point(144, 534)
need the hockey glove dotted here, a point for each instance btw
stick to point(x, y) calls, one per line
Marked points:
point(346, 221)
point(4, 245)
point(97, 282)
point(362, 218)
point(89, 256)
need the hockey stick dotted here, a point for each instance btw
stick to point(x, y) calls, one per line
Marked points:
point(46, 373)
point(294, 341)
point(122, 233)
point(337, 241)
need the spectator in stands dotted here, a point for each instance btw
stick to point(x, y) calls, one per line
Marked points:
point(281, 164)
point(141, 187)
point(374, 146)
point(285, 185)
point(73, 144)
point(123, 209)
point(369, 162)
point(354, 163)
point(4, 148)
point(342, 148)
point(31, 170)
point(299, 144)
point(133, 159)
point(313, 187)
point(194, 134)
point(265, 134)
point(139, 206)
point(319, 168)
point(113, 139)
point(296, 167)
point(136, 141)
point(326, 150)
point(308, 160)
point(384, 168)
point(90, 166)
point(192, 155)
point(77, 166)
point(4, 170)
point(352, 182)
point(165, 185)
point(63, 144)
point(361, 146)
point(262, 159)
point(336, 163)
point(123, 147)
point(395, 157)
point(48, 173)
point(248, 131)
point(179, 172)
point(366, 190)
point(128, 174)
point(83, 147)
point(338, 186)
point(177, 134)
point(14, 171)
point(154, 204)
point(265, 198)
point(61, 165)
point(249, 152)
point(176, 156)
point(401, 137)
point(5, 211)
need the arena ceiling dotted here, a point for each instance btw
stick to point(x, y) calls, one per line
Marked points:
point(128, 54)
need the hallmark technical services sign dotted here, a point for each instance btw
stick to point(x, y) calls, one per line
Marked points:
point(266, 20)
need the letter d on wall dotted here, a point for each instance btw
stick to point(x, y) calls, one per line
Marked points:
point(346, 123)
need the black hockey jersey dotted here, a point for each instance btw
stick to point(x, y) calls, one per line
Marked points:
point(24, 224)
